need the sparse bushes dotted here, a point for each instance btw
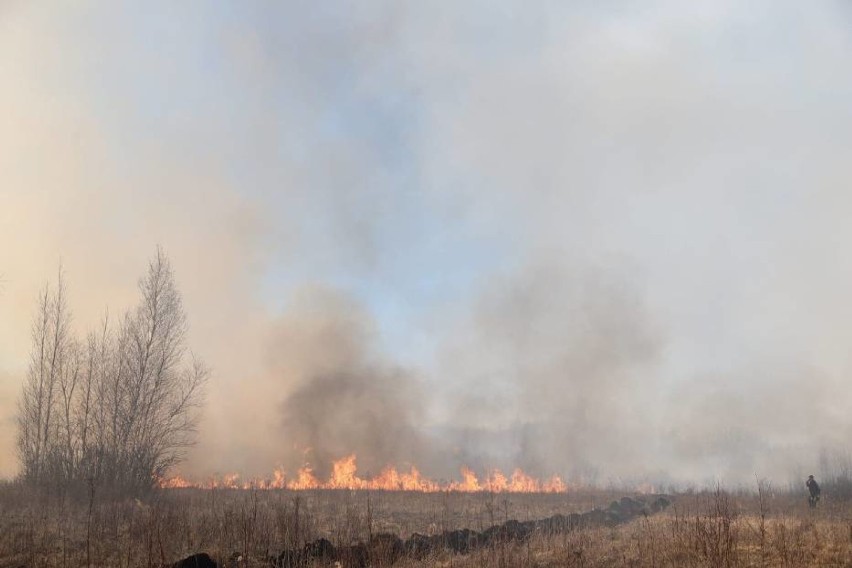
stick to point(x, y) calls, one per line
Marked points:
point(836, 475)
point(116, 410)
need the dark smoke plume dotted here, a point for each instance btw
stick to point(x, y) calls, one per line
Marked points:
point(345, 398)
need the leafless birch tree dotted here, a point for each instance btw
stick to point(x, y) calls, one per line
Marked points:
point(37, 418)
point(119, 410)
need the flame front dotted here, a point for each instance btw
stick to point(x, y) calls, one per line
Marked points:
point(344, 475)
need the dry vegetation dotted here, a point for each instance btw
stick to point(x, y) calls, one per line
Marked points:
point(117, 409)
point(700, 529)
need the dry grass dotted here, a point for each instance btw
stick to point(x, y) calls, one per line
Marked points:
point(703, 529)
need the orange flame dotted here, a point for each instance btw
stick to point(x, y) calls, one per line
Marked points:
point(344, 475)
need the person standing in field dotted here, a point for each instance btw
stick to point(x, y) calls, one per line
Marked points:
point(813, 487)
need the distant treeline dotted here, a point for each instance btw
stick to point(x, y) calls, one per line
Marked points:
point(118, 408)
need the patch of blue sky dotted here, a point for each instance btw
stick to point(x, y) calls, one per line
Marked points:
point(170, 75)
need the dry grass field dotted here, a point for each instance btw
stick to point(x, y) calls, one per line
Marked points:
point(245, 528)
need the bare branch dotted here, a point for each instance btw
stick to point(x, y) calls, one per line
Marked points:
point(119, 408)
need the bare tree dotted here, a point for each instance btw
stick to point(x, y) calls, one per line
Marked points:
point(38, 432)
point(32, 401)
point(121, 410)
point(159, 419)
point(88, 402)
point(67, 451)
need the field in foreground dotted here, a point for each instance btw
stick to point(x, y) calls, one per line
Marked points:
point(245, 528)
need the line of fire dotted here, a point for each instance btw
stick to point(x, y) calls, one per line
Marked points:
point(344, 475)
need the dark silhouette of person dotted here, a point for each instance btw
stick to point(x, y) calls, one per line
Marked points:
point(813, 487)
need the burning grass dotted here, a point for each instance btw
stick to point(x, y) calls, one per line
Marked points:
point(344, 475)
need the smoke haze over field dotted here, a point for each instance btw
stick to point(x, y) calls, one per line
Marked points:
point(602, 241)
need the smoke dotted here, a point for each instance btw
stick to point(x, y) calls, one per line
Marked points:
point(565, 357)
point(344, 397)
point(677, 160)
point(600, 241)
point(97, 192)
point(766, 418)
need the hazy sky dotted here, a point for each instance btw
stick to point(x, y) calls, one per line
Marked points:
point(602, 239)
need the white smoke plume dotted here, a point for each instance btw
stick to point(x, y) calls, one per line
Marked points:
point(601, 241)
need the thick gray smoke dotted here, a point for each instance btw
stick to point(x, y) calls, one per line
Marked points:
point(604, 240)
point(344, 397)
point(563, 360)
point(362, 411)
